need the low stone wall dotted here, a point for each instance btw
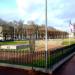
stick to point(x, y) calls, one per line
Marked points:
point(14, 46)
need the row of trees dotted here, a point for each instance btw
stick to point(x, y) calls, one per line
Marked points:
point(16, 29)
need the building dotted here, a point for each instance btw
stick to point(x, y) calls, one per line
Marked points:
point(8, 32)
point(39, 32)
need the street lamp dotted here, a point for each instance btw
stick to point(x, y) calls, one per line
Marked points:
point(14, 33)
point(46, 43)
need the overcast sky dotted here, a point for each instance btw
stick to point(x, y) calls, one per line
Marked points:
point(59, 11)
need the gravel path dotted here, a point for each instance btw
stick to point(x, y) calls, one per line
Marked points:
point(53, 43)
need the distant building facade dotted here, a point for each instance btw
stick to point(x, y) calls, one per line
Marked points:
point(39, 32)
point(11, 33)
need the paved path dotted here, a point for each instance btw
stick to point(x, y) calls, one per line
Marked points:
point(67, 69)
point(13, 71)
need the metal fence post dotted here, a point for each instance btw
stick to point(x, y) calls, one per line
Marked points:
point(46, 33)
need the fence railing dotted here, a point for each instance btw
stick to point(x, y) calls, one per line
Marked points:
point(36, 59)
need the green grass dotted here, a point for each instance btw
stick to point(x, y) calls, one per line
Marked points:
point(16, 50)
point(68, 41)
point(14, 42)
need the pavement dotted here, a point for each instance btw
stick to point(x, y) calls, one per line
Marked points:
point(67, 69)
point(14, 71)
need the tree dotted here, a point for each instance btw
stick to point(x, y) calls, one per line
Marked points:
point(7, 30)
point(21, 29)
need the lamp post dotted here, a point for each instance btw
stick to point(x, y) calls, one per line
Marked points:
point(69, 31)
point(14, 33)
point(46, 43)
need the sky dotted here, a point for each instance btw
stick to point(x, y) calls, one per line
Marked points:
point(59, 12)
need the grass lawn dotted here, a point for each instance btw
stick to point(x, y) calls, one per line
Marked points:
point(68, 41)
point(14, 42)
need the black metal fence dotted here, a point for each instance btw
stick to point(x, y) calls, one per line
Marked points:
point(36, 59)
